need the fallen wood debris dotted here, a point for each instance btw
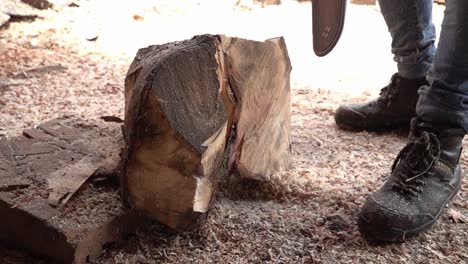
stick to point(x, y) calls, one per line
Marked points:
point(41, 170)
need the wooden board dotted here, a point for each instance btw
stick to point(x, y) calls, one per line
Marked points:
point(45, 206)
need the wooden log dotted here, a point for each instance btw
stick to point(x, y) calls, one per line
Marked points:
point(183, 100)
point(40, 174)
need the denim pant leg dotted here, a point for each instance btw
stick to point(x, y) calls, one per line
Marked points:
point(413, 35)
point(445, 101)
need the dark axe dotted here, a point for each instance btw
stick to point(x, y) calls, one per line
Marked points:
point(327, 24)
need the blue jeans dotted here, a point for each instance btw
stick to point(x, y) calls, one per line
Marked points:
point(445, 101)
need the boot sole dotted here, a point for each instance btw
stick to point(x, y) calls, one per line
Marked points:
point(342, 122)
point(399, 236)
point(380, 129)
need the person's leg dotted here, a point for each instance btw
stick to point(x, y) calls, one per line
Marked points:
point(445, 101)
point(413, 35)
point(426, 174)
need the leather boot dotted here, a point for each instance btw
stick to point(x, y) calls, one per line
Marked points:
point(393, 109)
point(424, 179)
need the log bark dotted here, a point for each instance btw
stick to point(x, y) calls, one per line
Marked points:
point(185, 101)
point(41, 172)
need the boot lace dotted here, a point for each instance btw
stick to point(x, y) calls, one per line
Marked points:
point(389, 92)
point(416, 160)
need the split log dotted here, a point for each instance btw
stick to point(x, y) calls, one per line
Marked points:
point(184, 102)
point(259, 79)
point(40, 174)
point(177, 119)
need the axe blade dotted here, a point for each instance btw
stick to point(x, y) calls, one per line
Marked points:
point(327, 24)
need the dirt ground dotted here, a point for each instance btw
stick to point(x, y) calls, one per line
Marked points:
point(48, 68)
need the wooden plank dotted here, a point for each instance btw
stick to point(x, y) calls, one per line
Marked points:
point(44, 205)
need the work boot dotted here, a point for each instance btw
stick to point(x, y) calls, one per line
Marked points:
point(425, 177)
point(393, 109)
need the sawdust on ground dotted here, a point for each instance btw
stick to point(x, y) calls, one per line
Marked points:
point(305, 215)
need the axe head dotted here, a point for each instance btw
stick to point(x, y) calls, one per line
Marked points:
point(327, 24)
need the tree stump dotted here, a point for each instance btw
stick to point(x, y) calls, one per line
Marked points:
point(41, 172)
point(194, 109)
